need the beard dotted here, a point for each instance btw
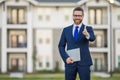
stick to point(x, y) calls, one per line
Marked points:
point(77, 21)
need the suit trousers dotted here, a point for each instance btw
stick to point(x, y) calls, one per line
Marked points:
point(71, 71)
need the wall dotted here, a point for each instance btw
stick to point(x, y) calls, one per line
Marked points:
point(56, 54)
point(115, 14)
point(52, 17)
point(0, 15)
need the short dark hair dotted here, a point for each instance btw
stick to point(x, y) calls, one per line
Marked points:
point(78, 9)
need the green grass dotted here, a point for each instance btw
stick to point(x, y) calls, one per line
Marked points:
point(49, 76)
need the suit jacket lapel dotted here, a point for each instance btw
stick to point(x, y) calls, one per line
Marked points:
point(71, 32)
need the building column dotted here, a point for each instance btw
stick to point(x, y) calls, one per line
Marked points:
point(3, 41)
point(3, 52)
point(30, 51)
point(29, 44)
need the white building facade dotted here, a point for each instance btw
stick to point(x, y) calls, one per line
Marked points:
point(30, 32)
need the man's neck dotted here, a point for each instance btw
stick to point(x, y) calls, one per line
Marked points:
point(78, 24)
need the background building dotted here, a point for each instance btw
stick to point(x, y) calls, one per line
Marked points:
point(30, 31)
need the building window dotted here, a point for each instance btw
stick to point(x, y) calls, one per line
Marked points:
point(118, 17)
point(40, 60)
point(47, 40)
point(47, 61)
point(92, 44)
point(47, 64)
point(40, 17)
point(48, 18)
point(17, 0)
point(118, 61)
point(119, 40)
point(17, 15)
point(40, 64)
point(97, 16)
point(40, 40)
point(16, 62)
point(98, 64)
point(97, 42)
point(101, 39)
point(17, 38)
point(66, 17)
point(99, 61)
point(97, 0)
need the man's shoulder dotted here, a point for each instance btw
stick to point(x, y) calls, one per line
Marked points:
point(67, 27)
point(89, 27)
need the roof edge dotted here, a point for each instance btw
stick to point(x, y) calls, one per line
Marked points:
point(1, 1)
point(56, 4)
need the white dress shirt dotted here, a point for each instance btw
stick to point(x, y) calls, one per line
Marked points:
point(79, 27)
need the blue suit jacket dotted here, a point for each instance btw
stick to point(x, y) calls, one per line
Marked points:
point(82, 43)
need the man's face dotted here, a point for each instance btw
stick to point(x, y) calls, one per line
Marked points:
point(77, 17)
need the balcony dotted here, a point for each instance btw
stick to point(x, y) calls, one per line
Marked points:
point(17, 38)
point(98, 16)
point(17, 15)
point(101, 39)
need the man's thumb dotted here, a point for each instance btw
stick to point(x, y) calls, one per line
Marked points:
point(85, 28)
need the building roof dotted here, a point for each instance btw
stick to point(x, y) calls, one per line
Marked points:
point(61, 1)
point(118, 0)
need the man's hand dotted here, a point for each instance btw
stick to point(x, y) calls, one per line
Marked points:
point(85, 32)
point(69, 60)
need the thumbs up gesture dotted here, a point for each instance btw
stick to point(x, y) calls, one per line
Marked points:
point(85, 31)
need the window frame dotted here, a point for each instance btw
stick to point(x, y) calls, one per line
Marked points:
point(17, 9)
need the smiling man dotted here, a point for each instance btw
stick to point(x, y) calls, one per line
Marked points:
point(76, 37)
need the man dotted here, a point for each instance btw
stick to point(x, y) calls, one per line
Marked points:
point(75, 36)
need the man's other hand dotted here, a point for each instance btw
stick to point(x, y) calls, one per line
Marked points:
point(69, 60)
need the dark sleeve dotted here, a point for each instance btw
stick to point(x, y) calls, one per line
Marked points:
point(91, 33)
point(61, 46)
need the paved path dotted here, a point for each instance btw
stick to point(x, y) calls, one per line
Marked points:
point(101, 74)
point(16, 75)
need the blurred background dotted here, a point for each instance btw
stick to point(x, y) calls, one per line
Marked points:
point(30, 31)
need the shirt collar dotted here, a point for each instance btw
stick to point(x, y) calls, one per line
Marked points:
point(78, 25)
